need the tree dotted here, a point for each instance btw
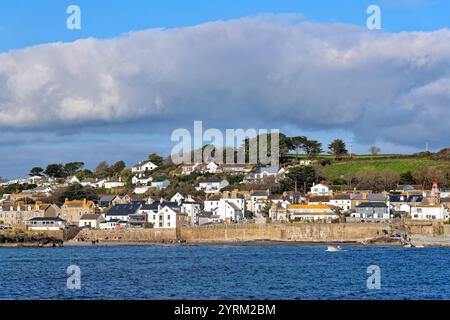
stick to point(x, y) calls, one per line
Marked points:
point(374, 150)
point(350, 179)
point(73, 167)
point(377, 180)
point(156, 159)
point(77, 192)
point(118, 166)
point(338, 148)
point(102, 167)
point(312, 148)
point(36, 171)
point(55, 171)
point(301, 176)
point(297, 143)
point(406, 178)
point(263, 143)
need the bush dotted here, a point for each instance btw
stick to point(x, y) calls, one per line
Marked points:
point(148, 225)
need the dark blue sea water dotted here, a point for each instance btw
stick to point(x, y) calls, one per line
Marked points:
point(224, 272)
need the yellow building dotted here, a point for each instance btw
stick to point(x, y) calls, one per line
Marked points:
point(312, 212)
point(19, 213)
point(73, 210)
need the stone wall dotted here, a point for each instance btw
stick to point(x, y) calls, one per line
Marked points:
point(305, 232)
point(127, 235)
point(301, 232)
point(424, 228)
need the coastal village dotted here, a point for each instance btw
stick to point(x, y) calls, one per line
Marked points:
point(219, 194)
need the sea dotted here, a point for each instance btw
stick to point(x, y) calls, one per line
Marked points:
point(225, 272)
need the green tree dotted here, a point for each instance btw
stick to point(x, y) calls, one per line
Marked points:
point(73, 167)
point(55, 171)
point(338, 148)
point(264, 142)
point(156, 159)
point(297, 143)
point(118, 166)
point(301, 176)
point(78, 192)
point(36, 171)
point(312, 148)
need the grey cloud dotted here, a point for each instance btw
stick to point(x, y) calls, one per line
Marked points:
point(250, 72)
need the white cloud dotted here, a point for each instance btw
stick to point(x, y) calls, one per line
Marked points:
point(262, 71)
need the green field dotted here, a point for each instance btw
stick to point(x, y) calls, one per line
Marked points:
point(401, 165)
point(354, 156)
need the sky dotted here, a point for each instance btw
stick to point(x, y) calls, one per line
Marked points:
point(137, 70)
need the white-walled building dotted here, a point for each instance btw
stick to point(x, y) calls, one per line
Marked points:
point(342, 201)
point(141, 179)
point(428, 212)
point(321, 190)
point(212, 185)
point(143, 166)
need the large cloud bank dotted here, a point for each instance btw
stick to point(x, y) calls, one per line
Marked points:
point(264, 71)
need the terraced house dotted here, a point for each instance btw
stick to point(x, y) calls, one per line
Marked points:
point(72, 211)
point(18, 214)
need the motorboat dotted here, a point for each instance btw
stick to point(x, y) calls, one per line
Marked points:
point(334, 249)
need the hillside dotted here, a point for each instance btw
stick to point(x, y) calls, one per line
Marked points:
point(401, 165)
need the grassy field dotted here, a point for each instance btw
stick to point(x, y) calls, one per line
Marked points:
point(400, 165)
point(355, 156)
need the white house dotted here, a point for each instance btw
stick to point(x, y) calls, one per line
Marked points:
point(211, 167)
point(72, 180)
point(192, 210)
point(143, 166)
point(141, 189)
point(89, 183)
point(265, 172)
point(321, 190)
point(342, 201)
point(428, 212)
point(229, 208)
point(188, 169)
point(112, 183)
point(46, 224)
point(90, 220)
point(39, 190)
point(212, 185)
point(141, 179)
point(166, 217)
point(160, 184)
point(112, 224)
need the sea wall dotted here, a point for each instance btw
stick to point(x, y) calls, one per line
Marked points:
point(302, 232)
point(426, 228)
point(127, 235)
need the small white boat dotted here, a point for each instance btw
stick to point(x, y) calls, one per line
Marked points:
point(334, 249)
point(408, 245)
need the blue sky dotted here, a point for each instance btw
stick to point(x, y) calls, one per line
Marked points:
point(30, 22)
point(39, 22)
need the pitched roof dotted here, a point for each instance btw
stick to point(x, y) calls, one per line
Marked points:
point(107, 198)
point(372, 205)
point(47, 219)
point(124, 209)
